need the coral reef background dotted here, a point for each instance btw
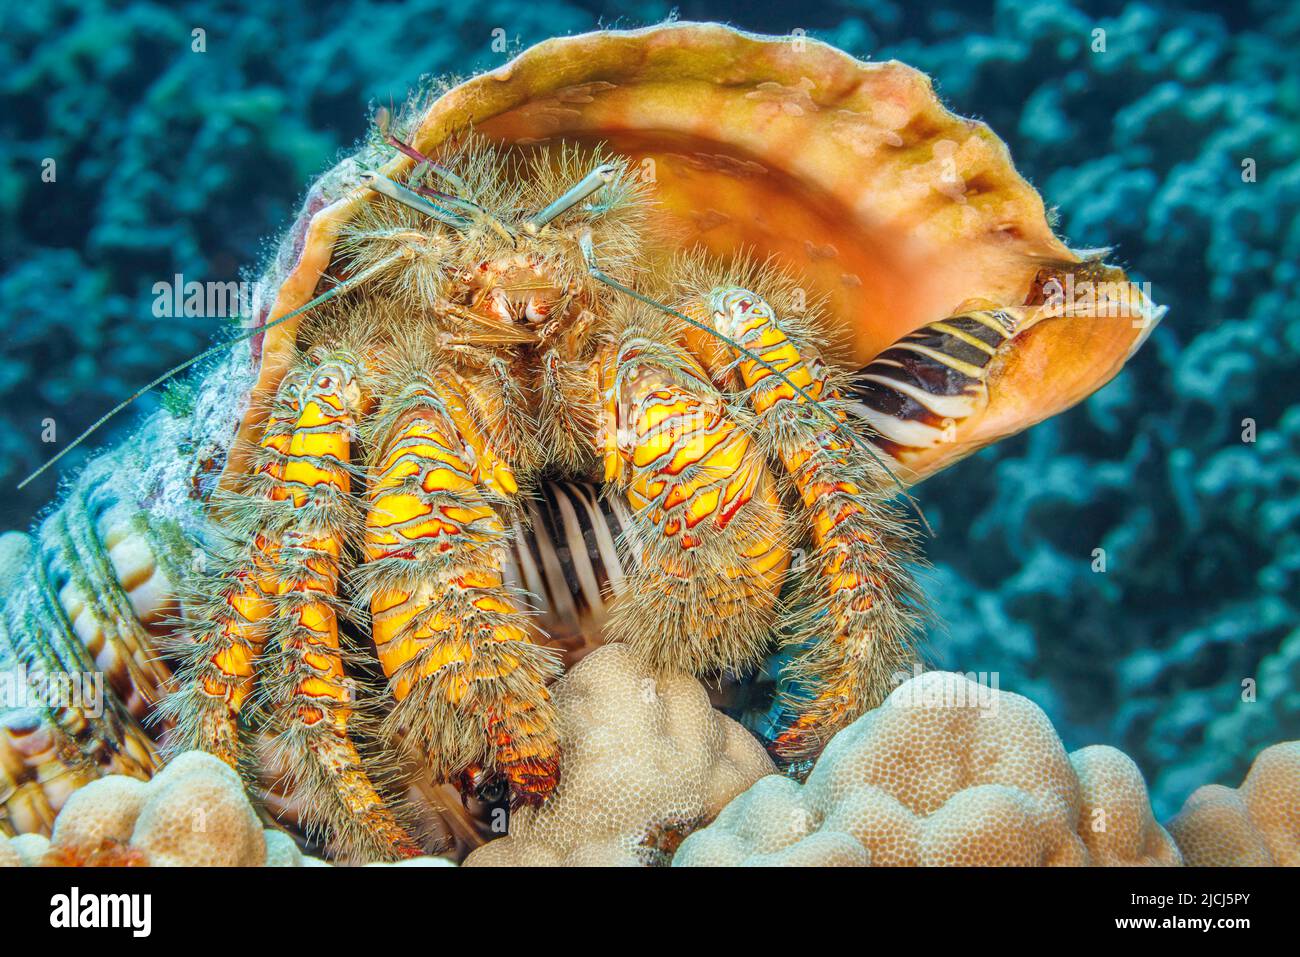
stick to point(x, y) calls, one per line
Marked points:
point(1184, 652)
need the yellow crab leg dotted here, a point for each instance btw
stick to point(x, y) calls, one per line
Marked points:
point(311, 696)
point(859, 622)
point(229, 629)
point(458, 648)
point(708, 525)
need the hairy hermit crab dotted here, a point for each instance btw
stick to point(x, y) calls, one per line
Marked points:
point(740, 285)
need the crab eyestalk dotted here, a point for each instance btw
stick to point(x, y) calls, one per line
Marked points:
point(601, 176)
point(408, 197)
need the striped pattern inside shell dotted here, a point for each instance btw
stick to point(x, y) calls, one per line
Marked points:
point(916, 392)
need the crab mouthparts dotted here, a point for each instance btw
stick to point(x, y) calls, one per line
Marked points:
point(524, 303)
point(516, 292)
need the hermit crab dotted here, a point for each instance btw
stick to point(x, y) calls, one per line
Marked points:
point(636, 338)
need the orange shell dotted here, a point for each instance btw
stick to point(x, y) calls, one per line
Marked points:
point(853, 174)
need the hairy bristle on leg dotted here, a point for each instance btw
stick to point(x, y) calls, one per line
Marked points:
point(307, 688)
point(708, 527)
point(458, 647)
point(231, 600)
point(858, 606)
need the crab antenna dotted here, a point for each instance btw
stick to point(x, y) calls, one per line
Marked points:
point(342, 286)
point(602, 175)
point(589, 255)
point(408, 150)
point(476, 212)
point(446, 199)
point(408, 197)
